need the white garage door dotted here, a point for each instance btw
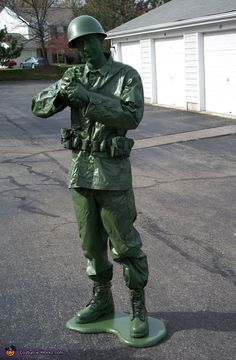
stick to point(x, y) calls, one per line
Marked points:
point(131, 55)
point(220, 73)
point(170, 69)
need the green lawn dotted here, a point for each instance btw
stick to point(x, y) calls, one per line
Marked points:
point(51, 72)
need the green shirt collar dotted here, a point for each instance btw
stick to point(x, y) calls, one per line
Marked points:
point(104, 70)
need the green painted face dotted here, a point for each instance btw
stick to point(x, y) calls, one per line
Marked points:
point(90, 48)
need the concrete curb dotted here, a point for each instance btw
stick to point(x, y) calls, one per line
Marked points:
point(185, 136)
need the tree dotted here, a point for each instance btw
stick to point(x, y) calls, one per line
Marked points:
point(34, 14)
point(112, 13)
point(151, 4)
point(9, 49)
point(58, 47)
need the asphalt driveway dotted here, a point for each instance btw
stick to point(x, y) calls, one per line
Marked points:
point(186, 201)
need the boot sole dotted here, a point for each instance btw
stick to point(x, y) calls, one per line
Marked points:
point(141, 335)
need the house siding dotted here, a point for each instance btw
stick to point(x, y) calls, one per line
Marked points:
point(146, 66)
point(191, 71)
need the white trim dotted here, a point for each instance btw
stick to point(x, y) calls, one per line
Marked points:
point(153, 72)
point(201, 72)
point(119, 53)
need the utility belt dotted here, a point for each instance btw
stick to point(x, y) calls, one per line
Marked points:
point(118, 146)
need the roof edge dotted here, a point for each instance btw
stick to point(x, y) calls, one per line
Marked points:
point(174, 25)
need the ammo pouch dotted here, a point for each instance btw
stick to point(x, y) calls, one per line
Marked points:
point(121, 146)
point(118, 146)
point(69, 138)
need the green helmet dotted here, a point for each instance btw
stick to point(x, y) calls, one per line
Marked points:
point(83, 25)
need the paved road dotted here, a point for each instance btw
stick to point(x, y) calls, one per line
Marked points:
point(186, 201)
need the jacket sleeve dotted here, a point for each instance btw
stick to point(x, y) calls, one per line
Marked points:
point(48, 102)
point(125, 111)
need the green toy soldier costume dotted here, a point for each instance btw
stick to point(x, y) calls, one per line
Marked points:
point(106, 100)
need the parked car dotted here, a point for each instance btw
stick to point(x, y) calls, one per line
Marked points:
point(33, 62)
point(8, 63)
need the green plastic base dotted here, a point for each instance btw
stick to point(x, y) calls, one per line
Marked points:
point(119, 324)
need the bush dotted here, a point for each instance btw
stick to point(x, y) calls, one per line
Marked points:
point(50, 72)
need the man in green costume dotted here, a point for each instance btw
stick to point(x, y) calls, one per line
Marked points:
point(106, 100)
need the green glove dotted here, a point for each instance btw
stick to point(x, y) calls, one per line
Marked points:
point(77, 95)
point(65, 82)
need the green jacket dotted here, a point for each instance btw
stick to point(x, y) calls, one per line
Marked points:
point(116, 105)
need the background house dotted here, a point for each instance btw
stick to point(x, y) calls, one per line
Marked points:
point(9, 19)
point(57, 22)
point(21, 31)
point(30, 48)
point(185, 52)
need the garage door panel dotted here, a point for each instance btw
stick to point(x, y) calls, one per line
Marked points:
point(131, 55)
point(220, 42)
point(220, 72)
point(170, 68)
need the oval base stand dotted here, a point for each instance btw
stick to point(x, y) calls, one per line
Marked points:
point(119, 324)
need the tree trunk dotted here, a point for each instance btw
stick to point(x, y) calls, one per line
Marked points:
point(44, 51)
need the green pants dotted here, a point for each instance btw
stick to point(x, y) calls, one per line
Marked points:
point(106, 217)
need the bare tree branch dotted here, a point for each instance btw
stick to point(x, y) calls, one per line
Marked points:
point(34, 14)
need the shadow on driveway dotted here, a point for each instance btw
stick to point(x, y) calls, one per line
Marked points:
point(208, 320)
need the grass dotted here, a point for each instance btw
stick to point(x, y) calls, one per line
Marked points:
point(51, 72)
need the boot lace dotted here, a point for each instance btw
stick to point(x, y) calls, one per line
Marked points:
point(137, 305)
point(97, 291)
point(93, 299)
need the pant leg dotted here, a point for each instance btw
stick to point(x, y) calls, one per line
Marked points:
point(93, 236)
point(118, 214)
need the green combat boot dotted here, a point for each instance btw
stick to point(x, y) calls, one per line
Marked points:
point(139, 317)
point(100, 304)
